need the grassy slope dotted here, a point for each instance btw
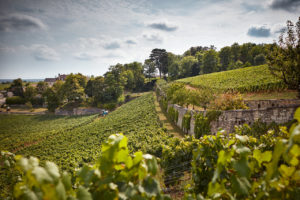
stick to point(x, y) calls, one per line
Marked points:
point(17, 130)
point(250, 79)
point(136, 119)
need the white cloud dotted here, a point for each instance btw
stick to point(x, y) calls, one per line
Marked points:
point(42, 52)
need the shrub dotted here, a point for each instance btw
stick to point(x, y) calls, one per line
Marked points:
point(37, 101)
point(228, 102)
point(15, 100)
point(186, 122)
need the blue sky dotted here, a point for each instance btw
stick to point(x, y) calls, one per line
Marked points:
point(41, 38)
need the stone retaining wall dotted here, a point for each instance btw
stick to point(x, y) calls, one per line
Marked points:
point(278, 111)
point(79, 111)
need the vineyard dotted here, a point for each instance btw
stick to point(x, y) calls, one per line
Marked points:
point(249, 79)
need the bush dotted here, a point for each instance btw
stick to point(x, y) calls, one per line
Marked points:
point(186, 122)
point(109, 106)
point(15, 100)
point(37, 101)
point(228, 102)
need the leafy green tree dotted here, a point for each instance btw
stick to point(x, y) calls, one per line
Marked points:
point(225, 58)
point(89, 88)
point(30, 93)
point(210, 62)
point(259, 59)
point(73, 88)
point(160, 58)
point(181, 96)
point(235, 52)
point(194, 98)
point(41, 87)
point(284, 58)
point(186, 66)
point(149, 68)
point(17, 87)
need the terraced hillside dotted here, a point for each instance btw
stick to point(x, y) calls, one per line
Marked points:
point(249, 79)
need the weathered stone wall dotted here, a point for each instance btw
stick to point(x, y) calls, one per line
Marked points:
point(279, 111)
point(78, 111)
point(261, 104)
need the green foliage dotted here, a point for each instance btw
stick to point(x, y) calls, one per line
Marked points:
point(81, 143)
point(15, 100)
point(284, 59)
point(186, 121)
point(173, 114)
point(210, 62)
point(250, 79)
point(240, 167)
point(30, 93)
point(202, 125)
point(115, 175)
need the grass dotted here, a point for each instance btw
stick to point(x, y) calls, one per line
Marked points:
point(249, 79)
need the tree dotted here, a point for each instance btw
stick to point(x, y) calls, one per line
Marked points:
point(17, 87)
point(284, 58)
point(41, 87)
point(194, 98)
point(74, 87)
point(210, 62)
point(225, 58)
point(149, 68)
point(30, 93)
point(89, 88)
point(259, 59)
point(186, 66)
point(160, 58)
point(235, 52)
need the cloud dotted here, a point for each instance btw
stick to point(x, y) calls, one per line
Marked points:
point(20, 22)
point(288, 5)
point(44, 53)
point(85, 56)
point(154, 37)
point(112, 45)
point(259, 31)
point(130, 41)
point(163, 27)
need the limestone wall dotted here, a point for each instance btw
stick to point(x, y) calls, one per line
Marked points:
point(268, 111)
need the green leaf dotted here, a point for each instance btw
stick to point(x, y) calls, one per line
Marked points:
point(66, 180)
point(286, 171)
point(52, 170)
point(83, 194)
point(151, 187)
point(297, 115)
point(262, 157)
point(242, 167)
point(242, 138)
point(241, 186)
point(41, 175)
point(60, 191)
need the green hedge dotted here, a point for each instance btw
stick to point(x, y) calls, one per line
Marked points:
point(15, 100)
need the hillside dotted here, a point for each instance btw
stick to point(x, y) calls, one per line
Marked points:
point(136, 119)
point(249, 79)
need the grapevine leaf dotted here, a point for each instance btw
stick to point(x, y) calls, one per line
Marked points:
point(83, 194)
point(297, 115)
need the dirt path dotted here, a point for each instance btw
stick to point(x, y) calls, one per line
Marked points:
point(171, 127)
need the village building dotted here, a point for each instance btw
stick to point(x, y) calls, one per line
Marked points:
point(51, 81)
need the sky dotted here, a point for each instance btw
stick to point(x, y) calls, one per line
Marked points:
point(41, 38)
